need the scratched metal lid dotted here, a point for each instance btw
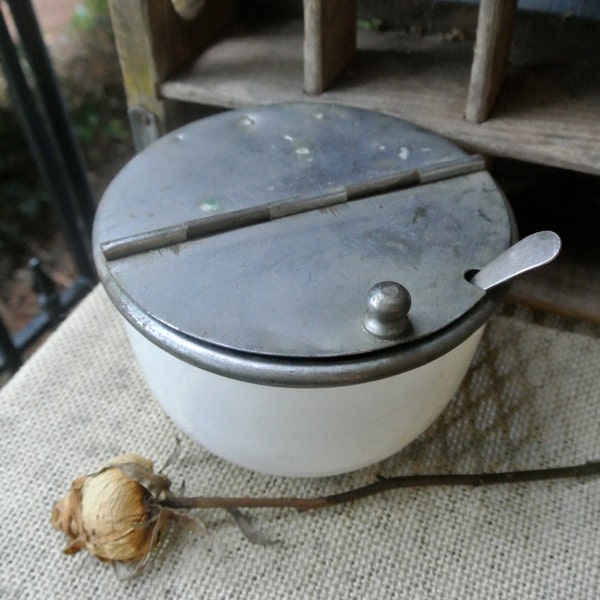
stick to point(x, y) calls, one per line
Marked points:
point(299, 231)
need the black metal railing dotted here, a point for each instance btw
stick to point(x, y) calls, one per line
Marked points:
point(40, 106)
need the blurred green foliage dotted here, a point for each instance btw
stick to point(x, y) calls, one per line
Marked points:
point(87, 14)
point(89, 78)
point(24, 203)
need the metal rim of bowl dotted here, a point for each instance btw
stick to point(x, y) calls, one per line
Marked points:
point(307, 373)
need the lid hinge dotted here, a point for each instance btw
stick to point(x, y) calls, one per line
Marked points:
point(197, 228)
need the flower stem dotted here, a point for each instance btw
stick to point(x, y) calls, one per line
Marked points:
point(385, 484)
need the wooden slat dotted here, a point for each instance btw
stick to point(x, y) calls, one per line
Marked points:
point(572, 292)
point(548, 112)
point(153, 41)
point(494, 35)
point(329, 41)
point(567, 204)
point(569, 286)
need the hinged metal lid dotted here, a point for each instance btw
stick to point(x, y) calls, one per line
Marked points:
point(301, 230)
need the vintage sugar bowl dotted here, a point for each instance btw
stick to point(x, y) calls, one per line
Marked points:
point(296, 280)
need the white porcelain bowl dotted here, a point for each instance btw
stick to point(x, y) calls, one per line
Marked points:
point(302, 431)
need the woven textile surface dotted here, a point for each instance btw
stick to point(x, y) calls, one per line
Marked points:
point(531, 399)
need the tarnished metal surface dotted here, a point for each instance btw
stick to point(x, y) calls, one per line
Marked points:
point(388, 304)
point(296, 287)
point(244, 217)
point(529, 253)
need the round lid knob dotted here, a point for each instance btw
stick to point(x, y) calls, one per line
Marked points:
point(388, 304)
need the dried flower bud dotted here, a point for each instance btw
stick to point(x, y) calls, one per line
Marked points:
point(113, 513)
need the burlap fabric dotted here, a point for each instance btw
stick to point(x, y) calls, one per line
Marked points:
point(531, 399)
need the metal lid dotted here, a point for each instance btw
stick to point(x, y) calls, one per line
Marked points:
point(300, 231)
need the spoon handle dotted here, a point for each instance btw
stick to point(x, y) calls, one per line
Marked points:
point(533, 251)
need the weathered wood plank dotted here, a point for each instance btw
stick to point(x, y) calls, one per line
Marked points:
point(548, 113)
point(329, 41)
point(494, 35)
point(153, 41)
point(572, 292)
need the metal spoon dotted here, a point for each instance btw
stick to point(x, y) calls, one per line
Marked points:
point(531, 252)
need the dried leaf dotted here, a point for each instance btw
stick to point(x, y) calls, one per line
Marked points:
point(190, 522)
point(248, 530)
point(173, 457)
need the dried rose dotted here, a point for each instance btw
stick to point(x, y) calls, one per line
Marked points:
point(114, 513)
point(119, 512)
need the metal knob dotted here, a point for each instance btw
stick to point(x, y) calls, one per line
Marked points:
point(388, 304)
